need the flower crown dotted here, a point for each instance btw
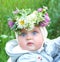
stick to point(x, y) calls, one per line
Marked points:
point(26, 19)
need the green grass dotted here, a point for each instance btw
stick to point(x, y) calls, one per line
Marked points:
point(7, 6)
point(3, 56)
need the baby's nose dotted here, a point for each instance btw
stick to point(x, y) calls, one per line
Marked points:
point(29, 37)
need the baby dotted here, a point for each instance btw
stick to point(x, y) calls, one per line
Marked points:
point(31, 43)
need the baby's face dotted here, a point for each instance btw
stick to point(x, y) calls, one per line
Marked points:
point(31, 40)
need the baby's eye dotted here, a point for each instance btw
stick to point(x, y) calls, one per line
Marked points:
point(23, 34)
point(34, 32)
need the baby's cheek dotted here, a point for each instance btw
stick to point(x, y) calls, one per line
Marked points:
point(39, 42)
point(22, 44)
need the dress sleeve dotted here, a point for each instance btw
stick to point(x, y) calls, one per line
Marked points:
point(57, 42)
point(26, 58)
point(53, 46)
point(8, 48)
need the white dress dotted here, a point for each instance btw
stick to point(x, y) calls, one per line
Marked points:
point(46, 54)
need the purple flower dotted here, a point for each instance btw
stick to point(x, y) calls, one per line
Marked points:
point(46, 21)
point(10, 23)
point(40, 9)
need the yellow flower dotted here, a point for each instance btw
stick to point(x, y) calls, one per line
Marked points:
point(21, 22)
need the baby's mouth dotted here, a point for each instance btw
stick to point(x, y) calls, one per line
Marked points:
point(29, 43)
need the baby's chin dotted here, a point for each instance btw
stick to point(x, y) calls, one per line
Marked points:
point(32, 48)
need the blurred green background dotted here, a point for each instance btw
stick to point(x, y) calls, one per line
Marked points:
point(7, 6)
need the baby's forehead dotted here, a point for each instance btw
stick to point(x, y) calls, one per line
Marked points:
point(35, 28)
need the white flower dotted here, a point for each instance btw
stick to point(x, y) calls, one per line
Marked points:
point(30, 26)
point(46, 8)
point(21, 23)
point(32, 17)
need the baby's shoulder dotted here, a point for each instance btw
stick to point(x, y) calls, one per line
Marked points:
point(13, 41)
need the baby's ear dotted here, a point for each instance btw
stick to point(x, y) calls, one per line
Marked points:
point(57, 41)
